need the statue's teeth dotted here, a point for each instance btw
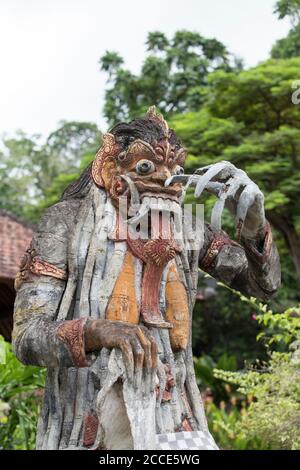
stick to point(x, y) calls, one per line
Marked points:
point(154, 203)
point(149, 204)
point(144, 208)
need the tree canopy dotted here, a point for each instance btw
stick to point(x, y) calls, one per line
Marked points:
point(289, 46)
point(33, 173)
point(172, 75)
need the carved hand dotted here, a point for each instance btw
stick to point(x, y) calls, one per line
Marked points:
point(244, 200)
point(138, 347)
point(235, 190)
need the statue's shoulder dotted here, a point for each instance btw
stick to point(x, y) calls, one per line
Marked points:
point(50, 240)
point(59, 217)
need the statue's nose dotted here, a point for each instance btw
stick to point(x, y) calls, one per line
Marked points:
point(161, 176)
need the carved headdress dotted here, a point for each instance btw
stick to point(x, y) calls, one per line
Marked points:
point(146, 137)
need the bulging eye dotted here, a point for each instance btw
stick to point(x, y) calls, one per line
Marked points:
point(144, 167)
point(179, 170)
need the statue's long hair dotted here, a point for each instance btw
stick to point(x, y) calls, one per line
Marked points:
point(80, 187)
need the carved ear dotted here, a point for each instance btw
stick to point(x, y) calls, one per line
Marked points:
point(109, 149)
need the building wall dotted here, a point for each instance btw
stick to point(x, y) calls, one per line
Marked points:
point(15, 238)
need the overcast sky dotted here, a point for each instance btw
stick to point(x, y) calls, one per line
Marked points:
point(50, 49)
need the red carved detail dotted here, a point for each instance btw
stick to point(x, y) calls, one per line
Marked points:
point(170, 383)
point(186, 425)
point(186, 418)
point(219, 241)
point(109, 148)
point(137, 246)
point(166, 396)
point(155, 254)
point(40, 267)
point(160, 251)
point(150, 296)
point(154, 115)
point(90, 429)
point(71, 333)
point(32, 264)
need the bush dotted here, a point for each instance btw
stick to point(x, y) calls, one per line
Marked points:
point(271, 417)
point(21, 389)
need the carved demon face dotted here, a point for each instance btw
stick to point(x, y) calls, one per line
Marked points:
point(135, 161)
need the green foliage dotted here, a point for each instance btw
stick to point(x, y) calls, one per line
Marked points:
point(288, 8)
point(20, 396)
point(19, 189)
point(226, 324)
point(284, 327)
point(204, 369)
point(224, 424)
point(289, 46)
point(171, 76)
point(273, 417)
point(34, 174)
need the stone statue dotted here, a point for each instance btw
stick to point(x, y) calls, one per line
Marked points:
point(109, 313)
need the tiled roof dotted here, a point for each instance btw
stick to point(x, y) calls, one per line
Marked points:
point(15, 237)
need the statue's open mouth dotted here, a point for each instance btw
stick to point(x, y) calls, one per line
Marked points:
point(148, 199)
point(172, 192)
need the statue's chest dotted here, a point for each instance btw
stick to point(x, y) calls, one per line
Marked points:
point(149, 289)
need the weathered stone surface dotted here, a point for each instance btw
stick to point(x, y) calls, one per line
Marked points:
point(57, 319)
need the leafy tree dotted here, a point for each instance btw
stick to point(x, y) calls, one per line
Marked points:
point(289, 46)
point(18, 183)
point(66, 146)
point(171, 76)
point(288, 8)
point(70, 149)
point(30, 170)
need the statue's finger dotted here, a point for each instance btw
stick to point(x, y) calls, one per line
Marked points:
point(245, 201)
point(216, 214)
point(177, 179)
point(128, 359)
point(138, 377)
point(216, 188)
point(207, 177)
point(146, 345)
point(234, 186)
point(146, 381)
point(138, 353)
point(203, 169)
point(153, 346)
